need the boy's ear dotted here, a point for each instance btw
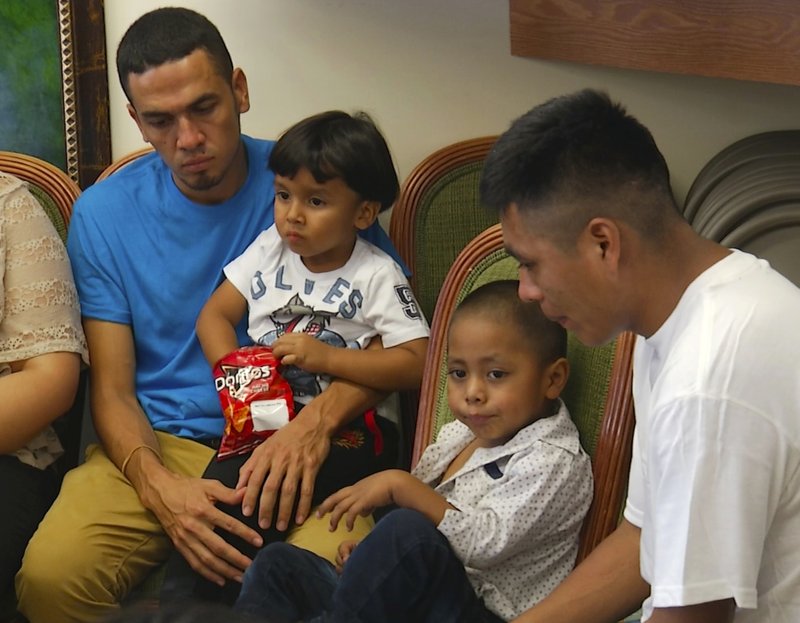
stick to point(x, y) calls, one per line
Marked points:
point(367, 213)
point(555, 378)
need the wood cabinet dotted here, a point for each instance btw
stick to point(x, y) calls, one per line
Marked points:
point(744, 39)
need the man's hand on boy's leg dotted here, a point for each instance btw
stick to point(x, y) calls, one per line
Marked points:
point(283, 467)
point(286, 464)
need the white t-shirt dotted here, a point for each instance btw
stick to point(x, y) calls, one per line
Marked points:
point(369, 296)
point(715, 477)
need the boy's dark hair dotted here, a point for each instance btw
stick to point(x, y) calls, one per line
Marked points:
point(546, 339)
point(335, 144)
point(169, 34)
point(587, 155)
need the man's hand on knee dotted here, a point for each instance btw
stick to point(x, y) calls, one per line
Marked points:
point(283, 469)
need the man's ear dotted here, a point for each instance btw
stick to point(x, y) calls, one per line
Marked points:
point(367, 213)
point(604, 239)
point(135, 117)
point(241, 94)
point(555, 378)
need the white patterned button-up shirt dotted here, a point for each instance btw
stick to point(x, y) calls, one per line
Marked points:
point(520, 508)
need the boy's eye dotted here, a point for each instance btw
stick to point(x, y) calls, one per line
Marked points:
point(497, 374)
point(316, 202)
point(457, 374)
point(282, 195)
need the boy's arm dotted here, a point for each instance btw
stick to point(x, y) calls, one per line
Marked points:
point(392, 486)
point(184, 506)
point(388, 369)
point(216, 324)
point(604, 588)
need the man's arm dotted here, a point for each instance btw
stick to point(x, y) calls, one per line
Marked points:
point(184, 506)
point(711, 612)
point(25, 409)
point(604, 588)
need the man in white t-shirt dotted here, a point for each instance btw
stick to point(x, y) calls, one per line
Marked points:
point(711, 530)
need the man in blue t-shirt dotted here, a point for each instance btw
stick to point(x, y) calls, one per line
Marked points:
point(148, 246)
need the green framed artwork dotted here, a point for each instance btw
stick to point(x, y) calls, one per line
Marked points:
point(53, 84)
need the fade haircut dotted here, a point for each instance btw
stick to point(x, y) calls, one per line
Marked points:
point(546, 340)
point(169, 34)
point(335, 144)
point(577, 157)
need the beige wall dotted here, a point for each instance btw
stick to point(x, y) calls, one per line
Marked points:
point(432, 72)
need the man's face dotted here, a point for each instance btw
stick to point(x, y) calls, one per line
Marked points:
point(190, 114)
point(571, 285)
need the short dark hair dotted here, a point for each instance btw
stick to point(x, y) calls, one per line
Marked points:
point(335, 144)
point(588, 155)
point(169, 34)
point(547, 340)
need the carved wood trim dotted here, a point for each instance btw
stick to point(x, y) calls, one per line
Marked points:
point(81, 25)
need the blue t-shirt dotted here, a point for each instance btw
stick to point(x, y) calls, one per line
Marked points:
point(146, 256)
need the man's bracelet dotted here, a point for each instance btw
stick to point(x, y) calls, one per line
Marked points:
point(132, 452)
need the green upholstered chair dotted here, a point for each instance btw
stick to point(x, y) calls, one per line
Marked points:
point(438, 212)
point(56, 192)
point(598, 393)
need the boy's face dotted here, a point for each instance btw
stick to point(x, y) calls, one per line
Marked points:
point(495, 384)
point(190, 114)
point(319, 221)
point(574, 288)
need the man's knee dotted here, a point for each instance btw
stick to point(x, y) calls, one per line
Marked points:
point(52, 582)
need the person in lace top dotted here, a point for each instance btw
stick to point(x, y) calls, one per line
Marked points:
point(41, 347)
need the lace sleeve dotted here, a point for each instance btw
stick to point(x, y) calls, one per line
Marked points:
point(39, 311)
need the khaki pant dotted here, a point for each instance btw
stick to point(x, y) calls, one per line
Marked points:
point(98, 542)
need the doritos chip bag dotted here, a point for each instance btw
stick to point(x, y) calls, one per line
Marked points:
point(256, 400)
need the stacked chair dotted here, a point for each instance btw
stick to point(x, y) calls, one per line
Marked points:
point(748, 197)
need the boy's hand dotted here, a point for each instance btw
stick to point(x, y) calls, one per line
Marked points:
point(362, 498)
point(303, 351)
point(343, 554)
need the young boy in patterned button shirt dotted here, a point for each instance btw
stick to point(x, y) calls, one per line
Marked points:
point(488, 522)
